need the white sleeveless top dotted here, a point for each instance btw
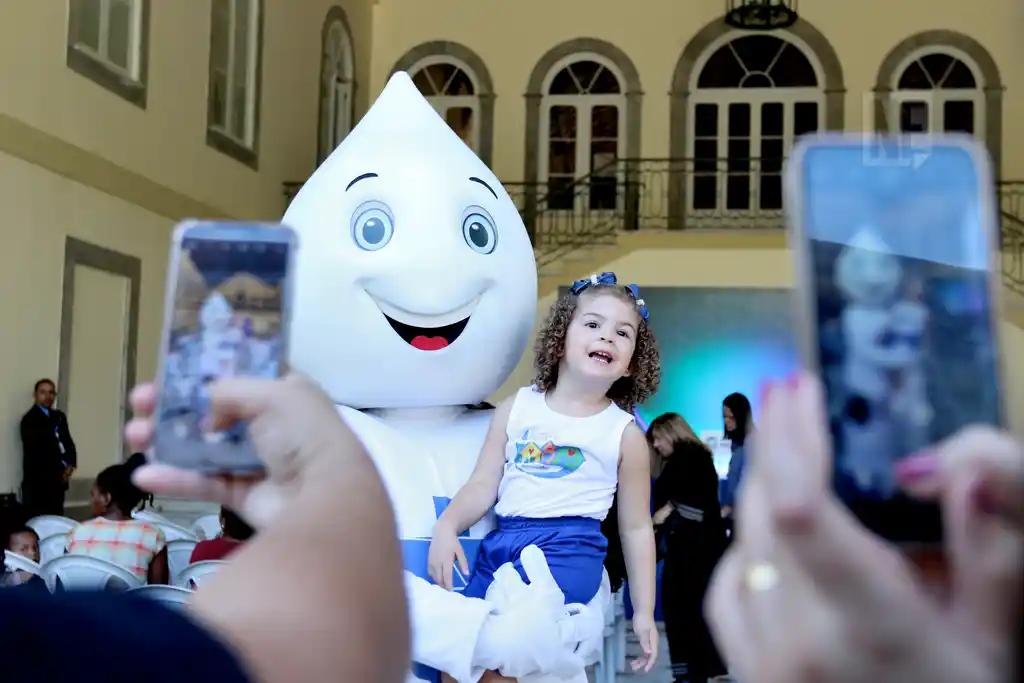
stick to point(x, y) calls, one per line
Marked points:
point(557, 465)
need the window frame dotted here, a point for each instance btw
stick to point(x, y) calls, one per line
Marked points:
point(788, 97)
point(936, 98)
point(333, 81)
point(245, 151)
point(131, 84)
point(442, 103)
point(584, 105)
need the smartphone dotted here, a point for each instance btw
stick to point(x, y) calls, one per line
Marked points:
point(896, 244)
point(226, 314)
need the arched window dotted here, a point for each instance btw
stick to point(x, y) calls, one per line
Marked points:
point(451, 88)
point(938, 91)
point(336, 89)
point(754, 95)
point(582, 132)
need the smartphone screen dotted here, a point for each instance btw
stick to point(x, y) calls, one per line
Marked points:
point(895, 252)
point(226, 316)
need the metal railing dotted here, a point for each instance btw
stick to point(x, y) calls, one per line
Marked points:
point(558, 216)
point(1011, 209)
point(563, 215)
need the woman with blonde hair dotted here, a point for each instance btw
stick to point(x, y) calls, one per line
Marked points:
point(691, 539)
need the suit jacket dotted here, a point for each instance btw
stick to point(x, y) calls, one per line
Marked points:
point(41, 438)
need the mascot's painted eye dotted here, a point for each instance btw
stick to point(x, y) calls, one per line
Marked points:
point(372, 226)
point(479, 232)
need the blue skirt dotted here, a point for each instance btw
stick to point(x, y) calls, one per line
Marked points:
point(574, 548)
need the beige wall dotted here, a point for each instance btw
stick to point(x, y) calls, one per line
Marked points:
point(511, 37)
point(166, 141)
point(78, 160)
point(736, 266)
point(30, 275)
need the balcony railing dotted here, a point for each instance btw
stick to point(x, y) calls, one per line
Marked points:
point(1011, 208)
point(631, 194)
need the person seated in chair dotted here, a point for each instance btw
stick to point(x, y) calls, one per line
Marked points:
point(114, 536)
point(234, 532)
point(22, 540)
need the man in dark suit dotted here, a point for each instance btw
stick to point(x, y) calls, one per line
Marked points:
point(49, 454)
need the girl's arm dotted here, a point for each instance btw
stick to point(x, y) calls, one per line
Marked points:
point(635, 528)
point(478, 495)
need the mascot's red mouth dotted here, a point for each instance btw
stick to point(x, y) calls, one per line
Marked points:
point(428, 338)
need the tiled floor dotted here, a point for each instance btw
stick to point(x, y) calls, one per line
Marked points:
point(661, 673)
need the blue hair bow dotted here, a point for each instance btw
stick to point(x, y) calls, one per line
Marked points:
point(635, 291)
point(610, 280)
point(603, 279)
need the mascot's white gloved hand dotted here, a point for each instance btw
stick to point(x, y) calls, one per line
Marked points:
point(532, 630)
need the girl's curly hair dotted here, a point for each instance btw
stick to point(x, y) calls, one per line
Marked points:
point(548, 350)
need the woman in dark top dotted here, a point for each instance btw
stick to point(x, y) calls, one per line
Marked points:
point(738, 423)
point(691, 536)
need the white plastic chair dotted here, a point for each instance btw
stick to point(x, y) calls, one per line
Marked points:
point(174, 532)
point(16, 562)
point(48, 525)
point(52, 546)
point(151, 517)
point(172, 596)
point(81, 572)
point(207, 527)
point(607, 666)
point(179, 554)
point(619, 627)
point(194, 574)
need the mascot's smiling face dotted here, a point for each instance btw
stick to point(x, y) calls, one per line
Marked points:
point(867, 272)
point(416, 284)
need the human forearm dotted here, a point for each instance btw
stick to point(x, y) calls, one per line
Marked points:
point(337, 541)
point(639, 551)
point(469, 505)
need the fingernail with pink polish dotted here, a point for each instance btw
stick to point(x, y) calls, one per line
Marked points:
point(766, 389)
point(793, 381)
point(917, 466)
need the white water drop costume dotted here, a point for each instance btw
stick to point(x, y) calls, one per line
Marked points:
point(415, 292)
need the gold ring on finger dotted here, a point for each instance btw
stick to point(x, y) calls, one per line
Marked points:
point(761, 576)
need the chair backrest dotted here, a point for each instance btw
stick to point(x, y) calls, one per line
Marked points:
point(207, 527)
point(48, 525)
point(179, 554)
point(81, 572)
point(14, 562)
point(173, 532)
point(194, 574)
point(172, 596)
point(52, 546)
point(151, 517)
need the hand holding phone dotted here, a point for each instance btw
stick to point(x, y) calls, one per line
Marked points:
point(226, 316)
point(898, 257)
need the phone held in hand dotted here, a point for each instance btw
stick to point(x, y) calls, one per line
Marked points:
point(226, 315)
point(896, 241)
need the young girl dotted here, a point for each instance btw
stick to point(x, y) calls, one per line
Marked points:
point(556, 451)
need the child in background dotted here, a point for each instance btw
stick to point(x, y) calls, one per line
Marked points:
point(557, 451)
point(24, 541)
